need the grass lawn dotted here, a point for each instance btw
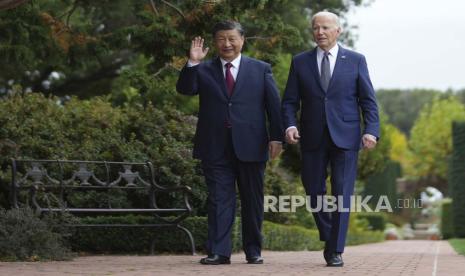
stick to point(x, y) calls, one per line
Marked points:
point(458, 245)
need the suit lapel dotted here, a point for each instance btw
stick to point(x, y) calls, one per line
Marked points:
point(241, 75)
point(219, 76)
point(314, 68)
point(340, 62)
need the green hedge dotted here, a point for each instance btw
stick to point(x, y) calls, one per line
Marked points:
point(457, 178)
point(136, 240)
point(26, 237)
point(376, 221)
point(39, 127)
point(383, 183)
point(447, 228)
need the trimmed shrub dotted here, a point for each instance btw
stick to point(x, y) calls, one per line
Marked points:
point(376, 221)
point(383, 183)
point(447, 228)
point(25, 237)
point(457, 178)
point(36, 127)
point(137, 240)
point(290, 237)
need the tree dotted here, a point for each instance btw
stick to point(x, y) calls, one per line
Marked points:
point(9, 4)
point(431, 140)
point(403, 106)
point(85, 48)
point(399, 150)
point(374, 161)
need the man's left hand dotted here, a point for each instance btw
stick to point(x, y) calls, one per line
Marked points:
point(275, 148)
point(369, 141)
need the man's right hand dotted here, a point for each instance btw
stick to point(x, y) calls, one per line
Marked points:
point(197, 52)
point(292, 135)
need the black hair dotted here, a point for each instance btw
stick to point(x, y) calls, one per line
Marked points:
point(228, 25)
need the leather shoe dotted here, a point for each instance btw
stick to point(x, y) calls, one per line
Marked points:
point(255, 260)
point(215, 260)
point(335, 260)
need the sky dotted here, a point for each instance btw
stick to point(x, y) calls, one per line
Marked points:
point(412, 43)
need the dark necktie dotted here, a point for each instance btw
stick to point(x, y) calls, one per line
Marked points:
point(229, 79)
point(325, 74)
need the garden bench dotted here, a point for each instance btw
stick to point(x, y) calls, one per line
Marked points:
point(51, 186)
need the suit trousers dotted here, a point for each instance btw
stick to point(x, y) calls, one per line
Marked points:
point(332, 225)
point(221, 176)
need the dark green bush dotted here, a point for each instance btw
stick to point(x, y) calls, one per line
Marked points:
point(137, 240)
point(34, 126)
point(279, 182)
point(457, 179)
point(26, 237)
point(383, 183)
point(447, 227)
point(376, 221)
point(284, 237)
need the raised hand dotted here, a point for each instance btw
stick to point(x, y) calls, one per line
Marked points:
point(197, 52)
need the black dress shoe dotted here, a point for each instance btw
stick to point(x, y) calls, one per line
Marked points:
point(255, 260)
point(335, 260)
point(215, 260)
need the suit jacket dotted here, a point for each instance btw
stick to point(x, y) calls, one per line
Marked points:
point(254, 100)
point(349, 95)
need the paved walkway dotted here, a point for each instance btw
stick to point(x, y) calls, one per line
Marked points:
point(387, 258)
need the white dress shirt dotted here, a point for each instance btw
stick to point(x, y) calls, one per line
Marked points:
point(236, 63)
point(332, 57)
point(234, 68)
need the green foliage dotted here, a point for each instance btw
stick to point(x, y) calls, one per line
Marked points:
point(431, 142)
point(457, 179)
point(90, 43)
point(359, 231)
point(126, 240)
point(25, 237)
point(36, 127)
point(403, 106)
point(286, 238)
point(135, 239)
point(279, 182)
point(399, 151)
point(384, 183)
point(447, 225)
point(374, 161)
point(376, 221)
point(281, 70)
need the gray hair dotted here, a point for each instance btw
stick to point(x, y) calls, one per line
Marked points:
point(327, 14)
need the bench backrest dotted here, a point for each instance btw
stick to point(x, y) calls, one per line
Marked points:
point(85, 186)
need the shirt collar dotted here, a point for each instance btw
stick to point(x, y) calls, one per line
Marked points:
point(333, 51)
point(235, 63)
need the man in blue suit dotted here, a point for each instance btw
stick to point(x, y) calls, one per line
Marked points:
point(237, 97)
point(332, 87)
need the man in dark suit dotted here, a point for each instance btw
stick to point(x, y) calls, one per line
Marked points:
point(331, 86)
point(237, 96)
